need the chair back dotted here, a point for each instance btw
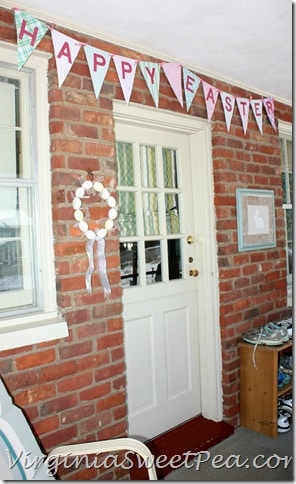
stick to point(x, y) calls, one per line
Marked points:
point(20, 455)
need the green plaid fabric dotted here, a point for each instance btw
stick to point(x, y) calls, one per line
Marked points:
point(148, 166)
point(124, 153)
point(30, 32)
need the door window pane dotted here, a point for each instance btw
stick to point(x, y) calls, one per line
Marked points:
point(129, 264)
point(170, 168)
point(153, 258)
point(127, 214)
point(174, 258)
point(172, 213)
point(148, 166)
point(125, 164)
point(150, 213)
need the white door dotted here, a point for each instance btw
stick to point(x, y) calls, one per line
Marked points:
point(160, 265)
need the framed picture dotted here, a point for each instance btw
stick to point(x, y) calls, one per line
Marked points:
point(255, 219)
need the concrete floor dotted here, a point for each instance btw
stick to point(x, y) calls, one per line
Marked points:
point(244, 456)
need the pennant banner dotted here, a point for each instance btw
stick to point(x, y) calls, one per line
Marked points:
point(151, 74)
point(257, 111)
point(173, 72)
point(211, 96)
point(126, 70)
point(228, 103)
point(191, 83)
point(98, 63)
point(65, 51)
point(243, 105)
point(30, 32)
point(269, 108)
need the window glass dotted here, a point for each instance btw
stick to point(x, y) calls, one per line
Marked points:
point(148, 166)
point(150, 214)
point(18, 195)
point(127, 214)
point(287, 185)
point(129, 264)
point(125, 164)
point(149, 219)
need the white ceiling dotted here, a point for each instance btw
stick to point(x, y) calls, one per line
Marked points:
point(246, 42)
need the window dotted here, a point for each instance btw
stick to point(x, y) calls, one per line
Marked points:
point(27, 280)
point(287, 184)
point(149, 199)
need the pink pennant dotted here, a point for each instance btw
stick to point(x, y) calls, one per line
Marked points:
point(228, 102)
point(257, 111)
point(243, 105)
point(65, 50)
point(269, 108)
point(211, 96)
point(173, 72)
point(126, 70)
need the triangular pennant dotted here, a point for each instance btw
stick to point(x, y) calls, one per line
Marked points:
point(126, 70)
point(269, 108)
point(30, 32)
point(228, 102)
point(211, 96)
point(151, 74)
point(65, 50)
point(257, 111)
point(173, 72)
point(98, 63)
point(243, 105)
point(191, 83)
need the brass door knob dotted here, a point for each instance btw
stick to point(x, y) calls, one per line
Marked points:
point(193, 272)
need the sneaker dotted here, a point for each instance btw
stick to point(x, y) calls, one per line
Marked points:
point(282, 330)
point(260, 336)
point(287, 324)
point(286, 403)
point(283, 423)
point(286, 364)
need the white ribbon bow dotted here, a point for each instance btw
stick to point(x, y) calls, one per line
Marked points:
point(101, 265)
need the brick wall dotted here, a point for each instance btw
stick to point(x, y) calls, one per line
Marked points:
point(74, 389)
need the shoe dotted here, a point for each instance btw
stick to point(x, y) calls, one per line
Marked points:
point(282, 330)
point(283, 423)
point(286, 364)
point(286, 404)
point(261, 337)
point(287, 324)
point(283, 379)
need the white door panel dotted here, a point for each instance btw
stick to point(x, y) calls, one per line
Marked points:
point(162, 364)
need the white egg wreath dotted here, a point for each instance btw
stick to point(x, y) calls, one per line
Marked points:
point(88, 188)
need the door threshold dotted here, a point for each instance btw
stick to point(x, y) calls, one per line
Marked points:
point(195, 435)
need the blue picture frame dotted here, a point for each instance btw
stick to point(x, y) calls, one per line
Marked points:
point(255, 219)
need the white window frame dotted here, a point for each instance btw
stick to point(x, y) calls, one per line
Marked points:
point(44, 324)
point(285, 132)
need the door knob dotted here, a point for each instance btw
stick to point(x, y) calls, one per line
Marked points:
point(193, 272)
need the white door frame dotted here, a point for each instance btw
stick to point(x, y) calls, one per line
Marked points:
point(206, 261)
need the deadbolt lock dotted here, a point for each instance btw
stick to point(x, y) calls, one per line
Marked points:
point(190, 239)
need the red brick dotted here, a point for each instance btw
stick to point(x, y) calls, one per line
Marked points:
point(35, 359)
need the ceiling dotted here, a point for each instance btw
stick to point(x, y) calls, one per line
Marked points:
point(245, 42)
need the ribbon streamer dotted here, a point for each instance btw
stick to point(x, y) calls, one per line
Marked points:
point(101, 265)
